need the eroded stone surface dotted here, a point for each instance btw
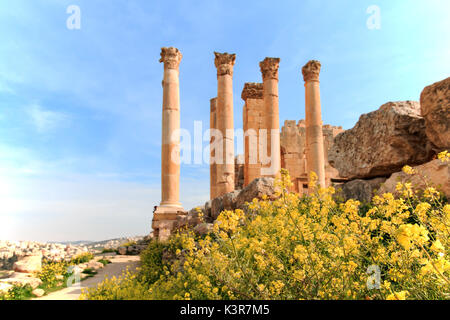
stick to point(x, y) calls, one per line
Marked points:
point(382, 142)
point(29, 264)
point(256, 189)
point(435, 108)
point(362, 190)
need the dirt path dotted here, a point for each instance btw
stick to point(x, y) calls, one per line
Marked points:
point(115, 268)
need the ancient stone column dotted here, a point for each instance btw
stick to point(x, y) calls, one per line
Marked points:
point(224, 63)
point(253, 121)
point(313, 118)
point(269, 70)
point(165, 215)
point(212, 163)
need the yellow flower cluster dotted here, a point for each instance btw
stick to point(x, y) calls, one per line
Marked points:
point(309, 247)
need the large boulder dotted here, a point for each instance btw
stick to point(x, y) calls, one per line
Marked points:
point(28, 264)
point(256, 189)
point(203, 228)
point(225, 202)
point(435, 108)
point(382, 142)
point(434, 173)
point(362, 190)
point(216, 207)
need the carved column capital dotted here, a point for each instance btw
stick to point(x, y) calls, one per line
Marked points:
point(269, 68)
point(252, 90)
point(311, 71)
point(171, 57)
point(224, 63)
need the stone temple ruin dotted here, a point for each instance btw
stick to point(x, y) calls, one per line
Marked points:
point(359, 160)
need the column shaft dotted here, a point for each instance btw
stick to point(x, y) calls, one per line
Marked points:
point(269, 69)
point(225, 170)
point(213, 165)
point(313, 119)
point(170, 153)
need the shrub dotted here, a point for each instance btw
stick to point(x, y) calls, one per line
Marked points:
point(18, 292)
point(90, 271)
point(108, 250)
point(82, 258)
point(104, 261)
point(52, 272)
point(125, 287)
point(309, 247)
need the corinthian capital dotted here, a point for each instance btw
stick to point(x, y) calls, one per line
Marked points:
point(224, 63)
point(171, 57)
point(311, 71)
point(269, 68)
point(252, 90)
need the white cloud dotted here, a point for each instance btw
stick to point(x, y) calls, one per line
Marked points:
point(47, 120)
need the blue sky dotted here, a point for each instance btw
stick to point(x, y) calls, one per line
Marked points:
point(80, 110)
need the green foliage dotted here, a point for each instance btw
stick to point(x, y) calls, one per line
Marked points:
point(109, 250)
point(104, 261)
point(126, 287)
point(82, 258)
point(127, 244)
point(90, 271)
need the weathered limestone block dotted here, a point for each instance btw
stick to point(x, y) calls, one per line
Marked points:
point(38, 292)
point(225, 202)
point(216, 207)
point(362, 190)
point(23, 279)
point(436, 173)
point(382, 142)
point(28, 264)
point(256, 189)
point(435, 108)
point(208, 208)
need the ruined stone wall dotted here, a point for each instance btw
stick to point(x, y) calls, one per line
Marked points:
point(293, 152)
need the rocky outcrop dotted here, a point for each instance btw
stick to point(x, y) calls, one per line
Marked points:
point(382, 142)
point(256, 189)
point(362, 190)
point(29, 264)
point(201, 219)
point(435, 108)
point(134, 248)
point(203, 228)
point(434, 173)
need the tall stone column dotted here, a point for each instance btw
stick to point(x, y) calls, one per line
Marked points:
point(212, 163)
point(224, 63)
point(164, 216)
point(253, 121)
point(313, 118)
point(269, 69)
